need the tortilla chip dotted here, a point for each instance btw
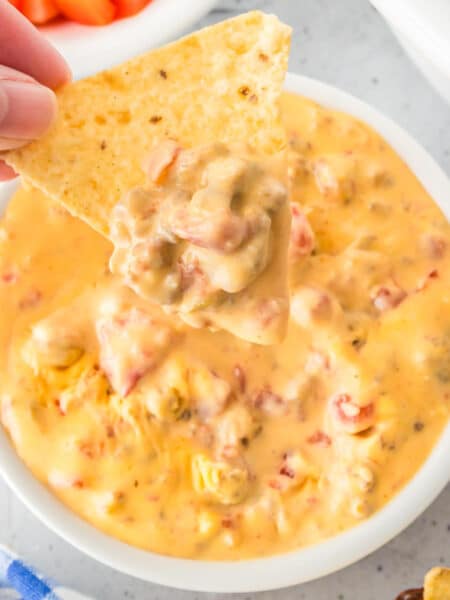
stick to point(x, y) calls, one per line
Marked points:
point(222, 83)
point(437, 584)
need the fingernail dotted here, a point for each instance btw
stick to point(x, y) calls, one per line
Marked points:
point(27, 110)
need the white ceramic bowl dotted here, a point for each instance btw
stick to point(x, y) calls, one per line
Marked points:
point(423, 29)
point(301, 565)
point(92, 49)
point(437, 76)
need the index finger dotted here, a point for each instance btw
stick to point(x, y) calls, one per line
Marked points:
point(22, 47)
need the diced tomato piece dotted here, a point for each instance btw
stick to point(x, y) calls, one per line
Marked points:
point(9, 276)
point(38, 11)
point(269, 402)
point(319, 438)
point(292, 472)
point(127, 8)
point(15, 3)
point(88, 12)
point(287, 472)
point(352, 417)
point(388, 296)
point(302, 240)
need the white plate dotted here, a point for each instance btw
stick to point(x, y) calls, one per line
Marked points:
point(301, 565)
point(92, 49)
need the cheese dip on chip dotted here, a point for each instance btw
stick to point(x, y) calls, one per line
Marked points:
point(208, 238)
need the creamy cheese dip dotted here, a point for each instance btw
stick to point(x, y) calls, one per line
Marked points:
point(199, 444)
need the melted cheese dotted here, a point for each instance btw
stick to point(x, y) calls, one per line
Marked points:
point(203, 445)
point(208, 237)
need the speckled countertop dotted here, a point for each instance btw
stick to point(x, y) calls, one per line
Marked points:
point(346, 43)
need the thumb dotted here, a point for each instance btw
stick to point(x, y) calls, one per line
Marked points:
point(27, 108)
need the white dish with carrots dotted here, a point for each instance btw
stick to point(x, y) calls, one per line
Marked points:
point(95, 34)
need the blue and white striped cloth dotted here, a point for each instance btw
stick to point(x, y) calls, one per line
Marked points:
point(19, 581)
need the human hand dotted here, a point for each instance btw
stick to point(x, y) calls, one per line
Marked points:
point(29, 69)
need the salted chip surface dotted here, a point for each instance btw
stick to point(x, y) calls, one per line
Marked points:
point(222, 83)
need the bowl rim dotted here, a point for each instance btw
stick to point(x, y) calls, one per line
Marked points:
point(298, 566)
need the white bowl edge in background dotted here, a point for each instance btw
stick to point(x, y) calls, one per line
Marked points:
point(423, 30)
point(90, 49)
point(301, 565)
point(437, 77)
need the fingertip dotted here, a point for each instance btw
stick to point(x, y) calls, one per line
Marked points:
point(30, 110)
point(60, 73)
point(6, 172)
